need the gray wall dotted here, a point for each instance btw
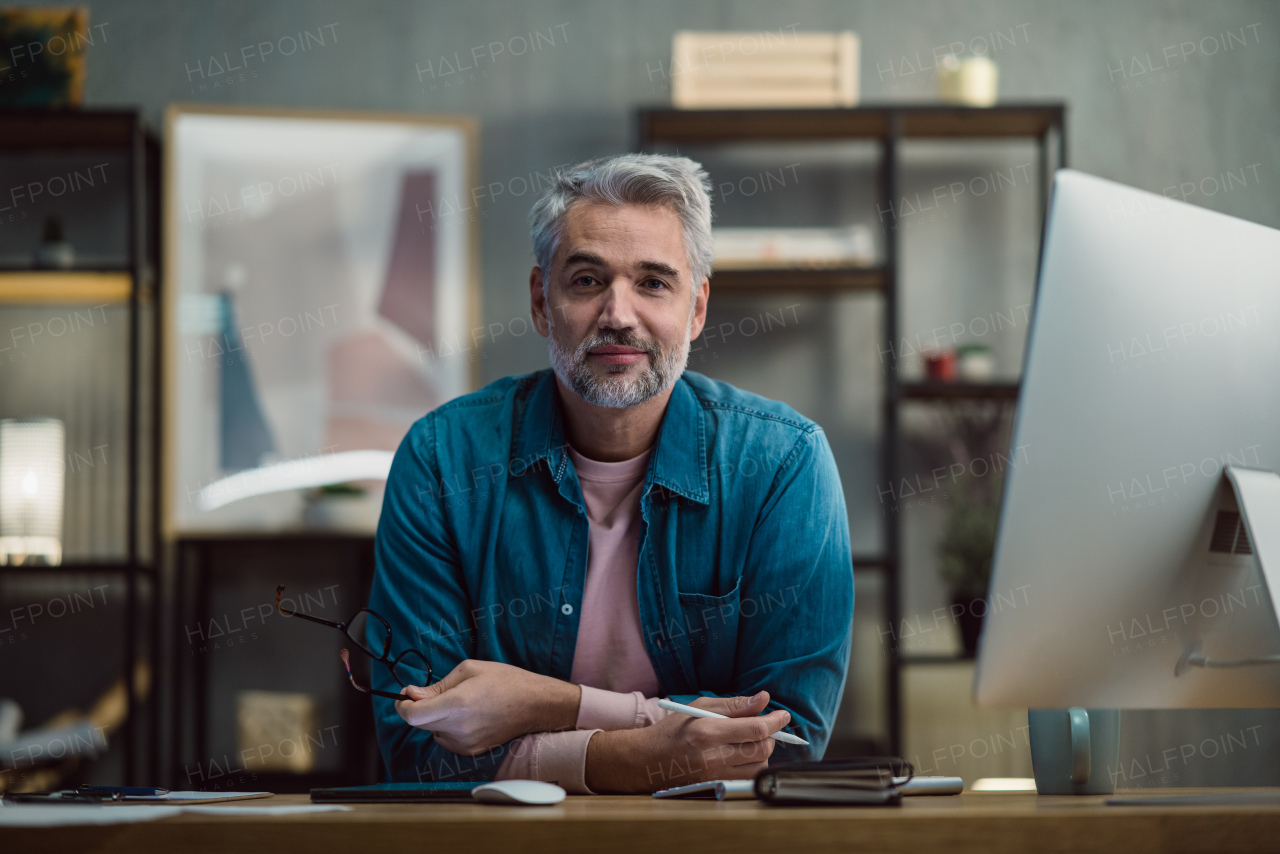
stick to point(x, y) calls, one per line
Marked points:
point(575, 99)
point(1212, 111)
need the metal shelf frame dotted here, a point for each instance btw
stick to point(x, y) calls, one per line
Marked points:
point(120, 130)
point(889, 125)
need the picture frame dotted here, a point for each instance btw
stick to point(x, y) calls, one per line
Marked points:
point(320, 270)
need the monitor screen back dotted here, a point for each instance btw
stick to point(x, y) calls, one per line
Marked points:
point(1153, 362)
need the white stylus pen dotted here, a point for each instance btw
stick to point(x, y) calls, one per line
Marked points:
point(691, 711)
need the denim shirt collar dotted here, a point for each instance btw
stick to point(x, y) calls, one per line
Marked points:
point(679, 461)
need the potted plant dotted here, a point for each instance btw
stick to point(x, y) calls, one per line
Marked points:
point(343, 507)
point(975, 435)
point(964, 557)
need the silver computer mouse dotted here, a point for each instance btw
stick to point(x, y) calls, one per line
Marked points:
point(521, 792)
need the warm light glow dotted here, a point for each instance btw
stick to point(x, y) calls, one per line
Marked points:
point(31, 478)
point(1004, 784)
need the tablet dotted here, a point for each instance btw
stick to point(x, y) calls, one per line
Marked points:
point(397, 793)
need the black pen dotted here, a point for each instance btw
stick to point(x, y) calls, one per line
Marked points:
point(65, 796)
point(124, 791)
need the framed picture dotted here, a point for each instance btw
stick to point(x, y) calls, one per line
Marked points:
point(317, 266)
point(43, 54)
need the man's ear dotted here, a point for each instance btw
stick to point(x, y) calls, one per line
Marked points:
point(699, 310)
point(538, 303)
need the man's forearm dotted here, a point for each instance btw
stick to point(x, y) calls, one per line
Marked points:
point(679, 750)
point(615, 763)
point(555, 708)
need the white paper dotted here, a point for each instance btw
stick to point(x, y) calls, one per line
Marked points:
point(63, 815)
point(66, 815)
point(193, 796)
point(238, 808)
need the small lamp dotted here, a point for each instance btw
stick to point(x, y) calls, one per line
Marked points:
point(31, 476)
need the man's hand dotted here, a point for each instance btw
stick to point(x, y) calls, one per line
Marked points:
point(679, 750)
point(482, 704)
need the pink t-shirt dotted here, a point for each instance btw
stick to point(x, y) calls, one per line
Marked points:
point(610, 650)
point(609, 660)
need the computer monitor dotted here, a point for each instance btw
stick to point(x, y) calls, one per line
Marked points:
point(1122, 566)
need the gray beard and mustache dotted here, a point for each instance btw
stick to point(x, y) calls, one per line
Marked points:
point(615, 390)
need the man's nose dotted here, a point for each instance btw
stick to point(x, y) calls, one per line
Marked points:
point(618, 309)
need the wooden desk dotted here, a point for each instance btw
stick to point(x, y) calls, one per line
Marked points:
point(986, 822)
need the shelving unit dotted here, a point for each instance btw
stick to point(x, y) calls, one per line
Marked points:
point(129, 284)
point(887, 125)
point(207, 564)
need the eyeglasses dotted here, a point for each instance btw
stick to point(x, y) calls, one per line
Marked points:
point(405, 667)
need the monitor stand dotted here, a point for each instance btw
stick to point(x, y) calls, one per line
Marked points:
point(1257, 494)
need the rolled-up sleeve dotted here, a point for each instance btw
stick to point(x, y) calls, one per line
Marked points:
point(611, 710)
point(561, 757)
point(552, 757)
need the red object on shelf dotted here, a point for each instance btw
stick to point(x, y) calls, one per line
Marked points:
point(942, 365)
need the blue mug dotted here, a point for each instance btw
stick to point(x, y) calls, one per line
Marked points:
point(1073, 751)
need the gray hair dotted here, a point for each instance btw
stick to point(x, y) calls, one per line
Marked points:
point(630, 179)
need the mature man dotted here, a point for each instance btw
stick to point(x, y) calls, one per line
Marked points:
point(579, 542)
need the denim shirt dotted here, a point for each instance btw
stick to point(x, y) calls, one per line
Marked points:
point(744, 577)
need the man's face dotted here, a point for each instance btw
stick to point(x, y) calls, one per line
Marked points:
point(620, 307)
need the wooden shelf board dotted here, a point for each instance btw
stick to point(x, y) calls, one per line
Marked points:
point(77, 567)
point(1000, 121)
point(68, 129)
point(959, 391)
point(693, 126)
point(869, 122)
point(804, 278)
point(60, 287)
point(283, 535)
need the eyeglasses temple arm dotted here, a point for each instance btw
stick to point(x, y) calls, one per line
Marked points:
point(342, 627)
point(339, 626)
point(347, 663)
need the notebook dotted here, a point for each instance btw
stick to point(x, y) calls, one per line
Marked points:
point(732, 790)
point(871, 781)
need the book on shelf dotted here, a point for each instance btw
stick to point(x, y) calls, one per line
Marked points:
point(786, 248)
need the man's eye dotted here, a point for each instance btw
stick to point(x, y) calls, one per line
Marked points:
point(585, 281)
point(654, 284)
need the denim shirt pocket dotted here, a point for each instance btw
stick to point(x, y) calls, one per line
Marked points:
point(711, 635)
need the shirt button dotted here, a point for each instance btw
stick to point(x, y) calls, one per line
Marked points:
point(566, 609)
